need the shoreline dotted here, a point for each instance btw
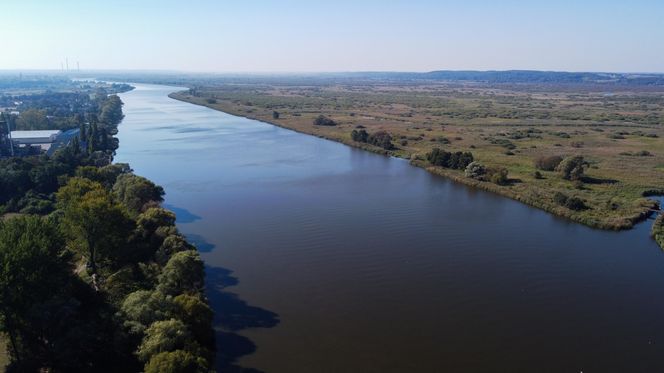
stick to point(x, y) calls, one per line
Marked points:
point(614, 224)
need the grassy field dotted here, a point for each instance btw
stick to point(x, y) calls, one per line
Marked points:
point(619, 132)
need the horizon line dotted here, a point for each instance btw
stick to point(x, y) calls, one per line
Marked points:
point(322, 72)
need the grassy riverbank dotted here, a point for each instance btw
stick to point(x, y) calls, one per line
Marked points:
point(620, 135)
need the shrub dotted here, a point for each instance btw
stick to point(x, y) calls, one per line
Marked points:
point(572, 168)
point(548, 163)
point(456, 160)
point(538, 175)
point(359, 136)
point(575, 203)
point(572, 203)
point(382, 139)
point(498, 175)
point(560, 198)
point(178, 361)
point(275, 115)
point(475, 170)
point(165, 336)
point(322, 120)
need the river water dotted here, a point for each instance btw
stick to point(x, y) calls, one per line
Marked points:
point(325, 258)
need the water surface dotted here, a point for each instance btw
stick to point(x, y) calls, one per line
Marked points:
point(325, 258)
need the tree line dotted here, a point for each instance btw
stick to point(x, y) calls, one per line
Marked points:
point(95, 276)
point(380, 138)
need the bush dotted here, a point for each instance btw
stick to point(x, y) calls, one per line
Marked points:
point(475, 170)
point(575, 203)
point(382, 139)
point(548, 163)
point(359, 136)
point(498, 175)
point(275, 115)
point(322, 120)
point(572, 168)
point(572, 203)
point(178, 361)
point(538, 175)
point(456, 160)
point(165, 336)
point(560, 198)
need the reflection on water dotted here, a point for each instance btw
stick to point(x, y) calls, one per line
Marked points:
point(323, 258)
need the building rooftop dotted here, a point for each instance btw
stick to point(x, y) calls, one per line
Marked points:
point(17, 135)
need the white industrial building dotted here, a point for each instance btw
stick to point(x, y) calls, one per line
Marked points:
point(35, 137)
point(44, 139)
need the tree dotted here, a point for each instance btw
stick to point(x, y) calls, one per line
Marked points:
point(32, 119)
point(498, 175)
point(96, 226)
point(197, 314)
point(359, 136)
point(572, 168)
point(32, 271)
point(476, 171)
point(107, 175)
point(165, 336)
point(111, 111)
point(178, 361)
point(143, 307)
point(183, 273)
point(172, 244)
point(154, 225)
point(136, 191)
point(382, 139)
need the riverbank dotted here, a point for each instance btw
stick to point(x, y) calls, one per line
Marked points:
point(612, 205)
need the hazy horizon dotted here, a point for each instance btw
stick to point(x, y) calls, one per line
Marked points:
point(294, 36)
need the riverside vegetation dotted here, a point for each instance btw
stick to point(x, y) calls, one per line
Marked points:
point(589, 151)
point(94, 275)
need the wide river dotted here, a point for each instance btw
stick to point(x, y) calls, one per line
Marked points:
point(325, 258)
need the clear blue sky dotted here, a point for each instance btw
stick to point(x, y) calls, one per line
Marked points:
point(341, 35)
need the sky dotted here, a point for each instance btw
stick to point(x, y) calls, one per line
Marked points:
point(333, 36)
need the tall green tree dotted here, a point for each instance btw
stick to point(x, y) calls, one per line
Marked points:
point(184, 273)
point(136, 191)
point(97, 227)
point(32, 270)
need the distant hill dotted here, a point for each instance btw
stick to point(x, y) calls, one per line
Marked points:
point(531, 76)
point(507, 77)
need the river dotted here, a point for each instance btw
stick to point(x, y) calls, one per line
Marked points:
point(325, 258)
